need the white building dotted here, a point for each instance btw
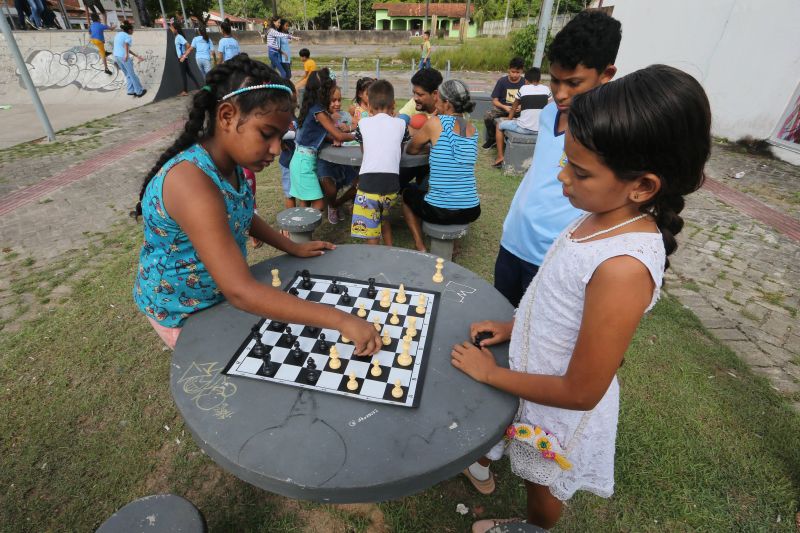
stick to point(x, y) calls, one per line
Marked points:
point(744, 52)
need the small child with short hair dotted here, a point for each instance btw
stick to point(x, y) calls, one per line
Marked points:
point(381, 136)
point(528, 104)
point(309, 66)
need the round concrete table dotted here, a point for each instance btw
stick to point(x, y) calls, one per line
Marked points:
point(317, 446)
point(351, 155)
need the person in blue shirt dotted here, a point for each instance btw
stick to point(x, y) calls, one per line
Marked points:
point(123, 57)
point(203, 50)
point(286, 51)
point(182, 49)
point(98, 38)
point(581, 57)
point(228, 47)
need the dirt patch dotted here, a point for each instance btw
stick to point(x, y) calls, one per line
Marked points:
point(158, 480)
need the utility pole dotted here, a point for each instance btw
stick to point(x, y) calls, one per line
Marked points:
point(427, 9)
point(305, 16)
point(465, 28)
point(221, 10)
point(544, 30)
point(359, 15)
point(505, 21)
point(185, 20)
point(26, 78)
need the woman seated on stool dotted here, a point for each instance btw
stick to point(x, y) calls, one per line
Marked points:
point(452, 196)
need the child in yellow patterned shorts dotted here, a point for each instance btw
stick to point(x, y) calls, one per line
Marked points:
point(97, 37)
point(381, 136)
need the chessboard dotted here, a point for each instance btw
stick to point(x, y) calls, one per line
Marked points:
point(300, 356)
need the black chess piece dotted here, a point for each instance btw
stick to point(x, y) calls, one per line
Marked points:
point(335, 288)
point(346, 298)
point(372, 292)
point(259, 350)
point(312, 374)
point(296, 353)
point(313, 330)
point(482, 336)
point(324, 346)
point(307, 284)
point(255, 332)
point(289, 337)
point(293, 291)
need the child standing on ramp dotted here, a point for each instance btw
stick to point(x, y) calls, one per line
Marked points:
point(604, 271)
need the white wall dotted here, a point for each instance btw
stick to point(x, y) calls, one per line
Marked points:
point(744, 52)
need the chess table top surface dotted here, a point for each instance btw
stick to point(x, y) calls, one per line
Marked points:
point(310, 445)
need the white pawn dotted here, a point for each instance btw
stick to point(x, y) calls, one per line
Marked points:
point(345, 339)
point(352, 384)
point(421, 304)
point(395, 319)
point(401, 295)
point(376, 371)
point(335, 363)
point(437, 277)
point(387, 339)
point(377, 323)
point(276, 281)
point(386, 299)
point(397, 390)
point(404, 359)
point(362, 311)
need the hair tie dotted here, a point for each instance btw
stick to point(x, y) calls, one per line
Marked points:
point(206, 88)
point(255, 87)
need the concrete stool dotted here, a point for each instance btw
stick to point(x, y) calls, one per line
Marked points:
point(443, 236)
point(516, 527)
point(162, 513)
point(300, 222)
point(519, 152)
point(483, 103)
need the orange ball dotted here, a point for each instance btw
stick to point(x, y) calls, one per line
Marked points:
point(417, 121)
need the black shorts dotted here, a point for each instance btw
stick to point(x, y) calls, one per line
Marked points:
point(415, 199)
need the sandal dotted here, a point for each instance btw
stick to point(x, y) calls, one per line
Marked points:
point(498, 164)
point(483, 526)
point(484, 487)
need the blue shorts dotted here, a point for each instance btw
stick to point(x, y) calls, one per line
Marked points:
point(513, 126)
point(342, 175)
point(286, 181)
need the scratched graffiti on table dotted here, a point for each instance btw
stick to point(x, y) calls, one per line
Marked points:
point(208, 388)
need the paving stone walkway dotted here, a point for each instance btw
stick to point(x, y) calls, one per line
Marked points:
point(737, 268)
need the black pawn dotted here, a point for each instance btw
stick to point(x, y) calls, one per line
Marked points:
point(346, 299)
point(296, 353)
point(293, 291)
point(323, 344)
point(372, 292)
point(307, 284)
point(335, 288)
point(289, 337)
point(259, 350)
point(312, 374)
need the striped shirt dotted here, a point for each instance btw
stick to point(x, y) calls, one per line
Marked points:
point(273, 38)
point(452, 160)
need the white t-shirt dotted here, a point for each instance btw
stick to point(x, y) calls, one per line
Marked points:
point(531, 105)
point(382, 139)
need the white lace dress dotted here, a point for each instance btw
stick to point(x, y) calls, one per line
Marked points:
point(556, 310)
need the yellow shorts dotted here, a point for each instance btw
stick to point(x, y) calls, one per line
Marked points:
point(101, 47)
point(368, 212)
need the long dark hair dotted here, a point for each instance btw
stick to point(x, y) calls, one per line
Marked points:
point(361, 86)
point(319, 88)
point(203, 33)
point(239, 71)
point(178, 28)
point(655, 120)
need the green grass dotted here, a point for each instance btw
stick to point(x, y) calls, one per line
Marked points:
point(89, 423)
point(474, 54)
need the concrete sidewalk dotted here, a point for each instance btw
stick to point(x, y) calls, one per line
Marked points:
point(737, 268)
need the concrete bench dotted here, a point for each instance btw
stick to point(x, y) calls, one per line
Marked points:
point(516, 527)
point(300, 222)
point(518, 153)
point(443, 236)
point(161, 513)
point(483, 103)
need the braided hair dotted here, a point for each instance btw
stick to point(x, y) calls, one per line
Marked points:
point(457, 93)
point(656, 120)
point(239, 71)
point(319, 89)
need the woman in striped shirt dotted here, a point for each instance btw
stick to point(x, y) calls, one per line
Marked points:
point(274, 46)
point(452, 196)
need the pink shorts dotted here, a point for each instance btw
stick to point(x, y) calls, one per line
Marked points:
point(168, 335)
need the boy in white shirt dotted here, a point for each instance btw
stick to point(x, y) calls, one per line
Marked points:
point(381, 136)
point(531, 98)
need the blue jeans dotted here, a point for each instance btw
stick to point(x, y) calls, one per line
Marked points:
point(204, 65)
point(275, 62)
point(513, 126)
point(512, 275)
point(424, 63)
point(37, 8)
point(134, 85)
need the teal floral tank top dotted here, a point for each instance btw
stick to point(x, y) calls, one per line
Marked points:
point(172, 282)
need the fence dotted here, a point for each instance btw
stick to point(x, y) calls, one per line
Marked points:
point(498, 27)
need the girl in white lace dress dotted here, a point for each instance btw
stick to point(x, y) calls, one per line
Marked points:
point(634, 147)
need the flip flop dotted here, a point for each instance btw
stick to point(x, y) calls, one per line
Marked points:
point(484, 487)
point(498, 164)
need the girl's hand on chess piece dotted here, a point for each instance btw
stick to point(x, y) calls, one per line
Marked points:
point(365, 338)
point(501, 331)
point(477, 363)
point(311, 248)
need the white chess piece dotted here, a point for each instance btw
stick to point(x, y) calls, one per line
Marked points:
point(376, 321)
point(387, 339)
point(386, 299)
point(397, 390)
point(421, 304)
point(401, 295)
point(438, 277)
point(362, 311)
point(404, 359)
point(276, 281)
point(352, 384)
point(376, 371)
point(395, 319)
point(335, 363)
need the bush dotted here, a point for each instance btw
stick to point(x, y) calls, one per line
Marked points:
point(475, 54)
point(523, 44)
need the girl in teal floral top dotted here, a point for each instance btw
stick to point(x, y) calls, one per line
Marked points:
point(198, 210)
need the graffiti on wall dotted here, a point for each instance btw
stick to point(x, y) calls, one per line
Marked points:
point(81, 66)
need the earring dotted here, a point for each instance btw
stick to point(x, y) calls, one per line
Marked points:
point(635, 196)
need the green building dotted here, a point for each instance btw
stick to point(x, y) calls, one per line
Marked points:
point(444, 20)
